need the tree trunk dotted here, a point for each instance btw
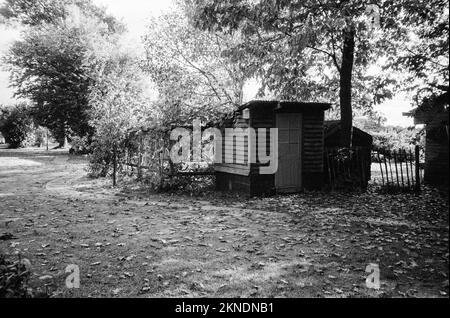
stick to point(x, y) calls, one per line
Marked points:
point(346, 87)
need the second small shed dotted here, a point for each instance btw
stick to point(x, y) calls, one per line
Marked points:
point(434, 113)
point(300, 148)
point(361, 140)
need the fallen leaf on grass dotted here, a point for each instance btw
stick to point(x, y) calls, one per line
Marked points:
point(116, 291)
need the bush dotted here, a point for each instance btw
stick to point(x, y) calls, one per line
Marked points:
point(17, 126)
point(396, 138)
point(100, 160)
point(79, 146)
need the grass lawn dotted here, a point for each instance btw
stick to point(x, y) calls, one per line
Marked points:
point(133, 243)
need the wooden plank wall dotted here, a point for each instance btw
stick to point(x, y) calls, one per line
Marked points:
point(255, 184)
point(262, 118)
point(436, 155)
point(233, 151)
point(262, 184)
point(231, 175)
point(313, 147)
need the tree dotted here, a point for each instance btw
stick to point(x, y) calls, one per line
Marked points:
point(119, 101)
point(48, 66)
point(193, 78)
point(33, 12)
point(38, 12)
point(16, 125)
point(311, 49)
point(424, 53)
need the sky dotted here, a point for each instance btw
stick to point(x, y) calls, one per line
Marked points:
point(135, 13)
point(7, 36)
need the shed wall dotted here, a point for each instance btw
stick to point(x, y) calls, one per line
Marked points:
point(256, 184)
point(436, 155)
point(313, 144)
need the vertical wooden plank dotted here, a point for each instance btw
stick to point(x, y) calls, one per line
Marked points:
point(390, 168)
point(407, 168)
point(417, 157)
point(416, 166)
point(381, 168)
point(411, 168)
point(387, 172)
point(401, 167)
point(396, 169)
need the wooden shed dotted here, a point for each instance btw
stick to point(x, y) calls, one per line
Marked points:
point(434, 114)
point(361, 141)
point(300, 145)
point(333, 135)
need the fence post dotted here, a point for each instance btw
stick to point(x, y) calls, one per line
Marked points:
point(417, 157)
point(407, 168)
point(114, 165)
point(381, 168)
point(390, 167)
point(396, 169)
point(139, 169)
point(386, 167)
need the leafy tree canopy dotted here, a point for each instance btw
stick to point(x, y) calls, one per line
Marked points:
point(193, 77)
point(16, 124)
point(38, 12)
point(328, 50)
point(49, 66)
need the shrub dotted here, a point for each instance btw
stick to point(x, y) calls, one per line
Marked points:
point(17, 126)
point(100, 159)
point(79, 146)
point(395, 138)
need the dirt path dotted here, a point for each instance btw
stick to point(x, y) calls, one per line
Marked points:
point(308, 245)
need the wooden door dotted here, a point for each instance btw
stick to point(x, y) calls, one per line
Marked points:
point(289, 175)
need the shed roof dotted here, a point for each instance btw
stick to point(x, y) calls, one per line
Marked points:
point(332, 127)
point(280, 103)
